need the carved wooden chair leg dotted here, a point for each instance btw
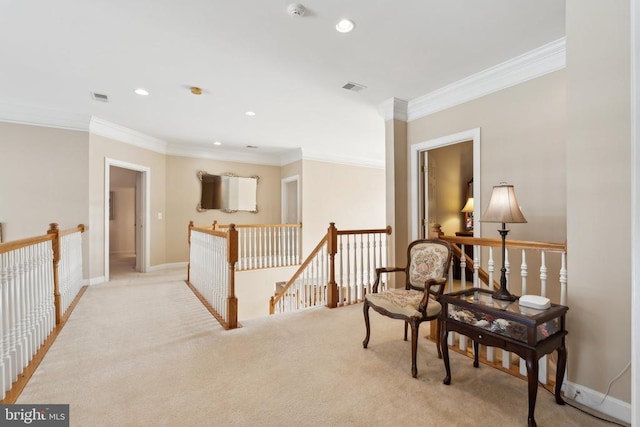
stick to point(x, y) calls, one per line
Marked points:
point(365, 309)
point(438, 344)
point(405, 329)
point(414, 348)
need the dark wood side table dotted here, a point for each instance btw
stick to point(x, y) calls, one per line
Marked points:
point(529, 333)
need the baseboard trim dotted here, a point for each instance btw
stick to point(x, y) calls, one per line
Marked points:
point(167, 266)
point(96, 280)
point(610, 405)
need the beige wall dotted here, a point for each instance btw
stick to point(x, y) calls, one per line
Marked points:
point(100, 149)
point(351, 196)
point(598, 194)
point(184, 191)
point(122, 231)
point(396, 190)
point(522, 134)
point(43, 179)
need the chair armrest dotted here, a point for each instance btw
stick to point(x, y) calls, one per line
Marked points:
point(379, 272)
point(431, 283)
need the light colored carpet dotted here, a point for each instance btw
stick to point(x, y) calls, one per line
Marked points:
point(143, 351)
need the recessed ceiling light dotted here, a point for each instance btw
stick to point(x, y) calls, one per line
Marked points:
point(345, 26)
point(250, 113)
point(196, 90)
point(142, 92)
point(217, 143)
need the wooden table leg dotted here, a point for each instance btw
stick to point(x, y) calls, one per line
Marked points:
point(532, 380)
point(476, 352)
point(445, 353)
point(562, 364)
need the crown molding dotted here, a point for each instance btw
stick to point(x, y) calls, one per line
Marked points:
point(120, 133)
point(42, 116)
point(535, 63)
point(393, 108)
point(203, 152)
point(343, 160)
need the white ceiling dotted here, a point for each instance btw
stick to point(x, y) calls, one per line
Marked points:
point(252, 55)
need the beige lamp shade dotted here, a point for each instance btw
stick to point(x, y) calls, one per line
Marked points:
point(503, 206)
point(468, 207)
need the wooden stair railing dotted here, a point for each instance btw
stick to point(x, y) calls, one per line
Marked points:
point(338, 271)
point(211, 271)
point(264, 245)
point(40, 284)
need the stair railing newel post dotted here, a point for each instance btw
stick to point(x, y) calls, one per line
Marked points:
point(232, 254)
point(332, 249)
point(55, 243)
point(189, 242)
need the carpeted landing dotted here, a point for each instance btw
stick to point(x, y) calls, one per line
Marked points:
point(143, 351)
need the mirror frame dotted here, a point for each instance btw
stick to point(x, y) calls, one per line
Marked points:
point(202, 173)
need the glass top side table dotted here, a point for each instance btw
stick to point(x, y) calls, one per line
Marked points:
point(527, 332)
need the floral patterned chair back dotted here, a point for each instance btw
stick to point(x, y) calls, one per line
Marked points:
point(427, 259)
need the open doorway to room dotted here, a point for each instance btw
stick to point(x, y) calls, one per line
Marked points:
point(448, 189)
point(290, 192)
point(122, 220)
point(126, 219)
point(440, 173)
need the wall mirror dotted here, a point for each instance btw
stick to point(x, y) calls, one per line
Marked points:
point(228, 192)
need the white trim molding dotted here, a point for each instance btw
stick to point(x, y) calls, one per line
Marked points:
point(635, 211)
point(535, 63)
point(42, 116)
point(414, 156)
point(169, 266)
point(394, 108)
point(597, 401)
point(144, 250)
point(116, 132)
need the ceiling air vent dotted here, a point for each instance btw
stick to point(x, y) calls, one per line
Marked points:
point(354, 87)
point(99, 97)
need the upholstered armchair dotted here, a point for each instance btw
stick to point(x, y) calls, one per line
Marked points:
point(425, 277)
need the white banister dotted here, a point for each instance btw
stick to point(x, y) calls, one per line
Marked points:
point(563, 279)
point(523, 272)
point(543, 274)
point(506, 356)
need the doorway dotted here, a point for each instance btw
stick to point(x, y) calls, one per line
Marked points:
point(126, 243)
point(449, 170)
point(290, 189)
point(422, 210)
point(122, 221)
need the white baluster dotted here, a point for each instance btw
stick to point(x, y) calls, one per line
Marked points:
point(563, 279)
point(476, 266)
point(490, 268)
point(523, 272)
point(463, 268)
point(506, 356)
point(543, 274)
point(4, 357)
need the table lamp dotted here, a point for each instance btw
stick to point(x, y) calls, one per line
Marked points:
point(468, 209)
point(503, 208)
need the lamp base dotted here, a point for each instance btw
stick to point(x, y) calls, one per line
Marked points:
point(503, 295)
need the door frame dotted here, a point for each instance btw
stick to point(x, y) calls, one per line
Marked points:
point(285, 199)
point(143, 195)
point(415, 186)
